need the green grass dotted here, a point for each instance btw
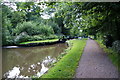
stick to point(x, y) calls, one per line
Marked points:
point(112, 54)
point(65, 68)
point(41, 41)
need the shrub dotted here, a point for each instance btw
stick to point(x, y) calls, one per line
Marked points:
point(33, 29)
point(7, 39)
point(55, 27)
point(35, 38)
point(52, 37)
point(22, 37)
point(45, 29)
point(116, 45)
point(27, 27)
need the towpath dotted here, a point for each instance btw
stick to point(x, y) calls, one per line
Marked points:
point(95, 63)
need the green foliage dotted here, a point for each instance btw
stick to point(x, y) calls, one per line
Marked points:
point(62, 17)
point(26, 19)
point(65, 68)
point(31, 28)
point(7, 39)
point(41, 37)
point(22, 37)
point(116, 46)
point(46, 29)
point(36, 38)
point(17, 17)
point(27, 27)
point(52, 37)
point(56, 28)
point(98, 19)
point(92, 18)
point(34, 31)
point(101, 18)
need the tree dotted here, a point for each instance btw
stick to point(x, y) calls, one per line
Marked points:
point(102, 18)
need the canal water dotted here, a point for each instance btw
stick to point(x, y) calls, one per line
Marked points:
point(29, 61)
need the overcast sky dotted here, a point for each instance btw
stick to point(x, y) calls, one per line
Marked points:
point(62, 0)
point(44, 15)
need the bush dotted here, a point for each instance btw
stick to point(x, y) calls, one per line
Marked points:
point(29, 31)
point(27, 27)
point(45, 29)
point(7, 39)
point(22, 37)
point(52, 37)
point(42, 37)
point(116, 45)
point(32, 28)
point(55, 27)
point(35, 38)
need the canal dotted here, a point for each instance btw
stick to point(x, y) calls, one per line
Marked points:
point(29, 61)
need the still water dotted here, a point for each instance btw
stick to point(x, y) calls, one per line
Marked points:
point(29, 61)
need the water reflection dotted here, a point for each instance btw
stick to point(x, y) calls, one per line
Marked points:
point(13, 73)
point(29, 61)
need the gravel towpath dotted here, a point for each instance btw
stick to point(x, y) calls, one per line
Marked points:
point(95, 63)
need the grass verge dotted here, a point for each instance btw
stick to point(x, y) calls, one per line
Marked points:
point(41, 41)
point(112, 54)
point(65, 68)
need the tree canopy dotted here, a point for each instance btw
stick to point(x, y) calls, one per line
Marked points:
point(66, 18)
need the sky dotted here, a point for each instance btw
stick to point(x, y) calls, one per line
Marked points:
point(23, 0)
point(44, 15)
point(62, 0)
